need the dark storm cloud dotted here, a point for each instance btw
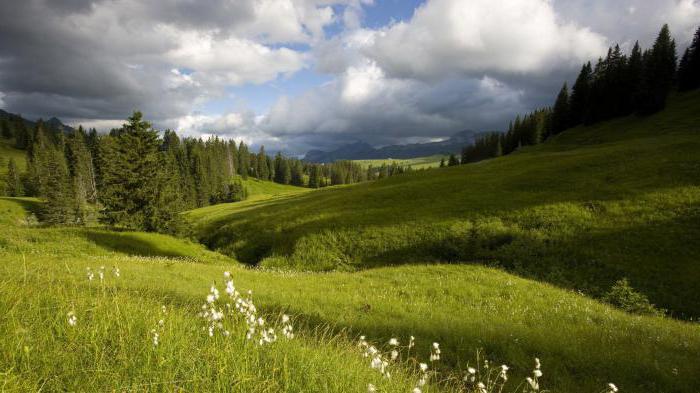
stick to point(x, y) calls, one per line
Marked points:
point(100, 60)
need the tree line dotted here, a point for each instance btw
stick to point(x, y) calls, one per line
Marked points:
point(618, 85)
point(134, 177)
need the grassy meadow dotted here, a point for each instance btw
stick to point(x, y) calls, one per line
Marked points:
point(581, 343)
point(591, 206)
point(414, 163)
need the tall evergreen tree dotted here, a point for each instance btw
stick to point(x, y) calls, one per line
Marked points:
point(261, 163)
point(689, 69)
point(580, 95)
point(13, 183)
point(130, 176)
point(297, 178)
point(243, 160)
point(560, 112)
point(635, 67)
point(314, 177)
point(59, 207)
point(452, 161)
point(659, 74)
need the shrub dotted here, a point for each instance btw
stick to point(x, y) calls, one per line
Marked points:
point(622, 295)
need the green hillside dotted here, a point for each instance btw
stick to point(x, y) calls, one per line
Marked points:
point(260, 188)
point(7, 151)
point(414, 163)
point(619, 199)
point(582, 344)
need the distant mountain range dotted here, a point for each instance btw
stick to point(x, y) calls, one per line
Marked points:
point(52, 123)
point(364, 151)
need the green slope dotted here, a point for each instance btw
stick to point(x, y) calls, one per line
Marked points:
point(582, 344)
point(595, 204)
point(7, 151)
point(415, 163)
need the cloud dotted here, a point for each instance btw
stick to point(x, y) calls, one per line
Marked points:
point(102, 59)
point(456, 37)
point(364, 103)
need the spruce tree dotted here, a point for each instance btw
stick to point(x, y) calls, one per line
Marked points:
point(689, 69)
point(452, 161)
point(659, 74)
point(261, 163)
point(130, 176)
point(684, 71)
point(580, 95)
point(297, 174)
point(59, 207)
point(442, 163)
point(314, 176)
point(243, 160)
point(635, 67)
point(13, 183)
point(560, 112)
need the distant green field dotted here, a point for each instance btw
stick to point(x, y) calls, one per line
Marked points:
point(258, 187)
point(620, 199)
point(582, 344)
point(415, 163)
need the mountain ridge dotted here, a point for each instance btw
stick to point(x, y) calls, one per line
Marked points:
point(363, 151)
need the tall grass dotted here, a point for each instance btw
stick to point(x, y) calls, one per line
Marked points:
point(582, 344)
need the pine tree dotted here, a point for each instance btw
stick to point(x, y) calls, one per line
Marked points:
point(283, 174)
point(13, 186)
point(442, 162)
point(22, 135)
point(261, 163)
point(684, 74)
point(580, 95)
point(635, 67)
point(297, 174)
point(452, 161)
point(659, 74)
point(130, 176)
point(689, 69)
point(243, 160)
point(560, 113)
point(81, 167)
point(314, 177)
point(60, 206)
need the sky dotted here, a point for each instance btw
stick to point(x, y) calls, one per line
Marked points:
point(296, 75)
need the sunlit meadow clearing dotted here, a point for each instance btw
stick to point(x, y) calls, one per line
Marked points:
point(583, 345)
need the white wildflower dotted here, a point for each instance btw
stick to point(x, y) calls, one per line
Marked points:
point(612, 388)
point(371, 388)
point(503, 373)
point(155, 337)
point(394, 342)
point(435, 352)
point(72, 319)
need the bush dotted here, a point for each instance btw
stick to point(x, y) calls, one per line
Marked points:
point(622, 295)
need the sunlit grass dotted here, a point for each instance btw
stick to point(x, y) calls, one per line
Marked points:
point(43, 276)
